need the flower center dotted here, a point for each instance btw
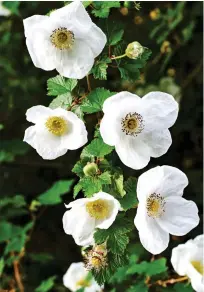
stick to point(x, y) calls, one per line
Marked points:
point(98, 209)
point(198, 266)
point(155, 205)
point(62, 38)
point(83, 283)
point(132, 124)
point(56, 125)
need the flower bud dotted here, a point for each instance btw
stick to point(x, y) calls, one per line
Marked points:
point(134, 50)
point(90, 169)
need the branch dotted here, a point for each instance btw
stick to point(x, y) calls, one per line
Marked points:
point(18, 276)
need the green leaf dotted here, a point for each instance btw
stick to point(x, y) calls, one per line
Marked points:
point(2, 265)
point(90, 185)
point(9, 231)
point(105, 178)
point(78, 168)
point(13, 6)
point(16, 244)
point(130, 199)
point(115, 31)
point(148, 268)
point(97, 148)
point(94, 101)
point(46, 285)
point(86, 3)
point(10, 148)
point(42, 258)
point(77, 109)
point(77, 189)
point(118, 184)
point(102, 8)
point(100, 67)
point(115, 236)
point(63, 101)
point(184, 287)
point(53, 195)
point(17, 201)
point(59, 85)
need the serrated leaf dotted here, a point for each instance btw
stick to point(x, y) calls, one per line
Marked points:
point(78, 111)
point(90, 185)
point(59, 85)
point(77, 189)
point(97, 148)
point(118, 184)
point(78, 168)
point(9, 231)
point(116, 36)
point(94, 101)
point(53, 195)
point(100, 67)
point(148, 268)
point(16, 244)
point(46, 285)
point(130, 199)
point(102, 8)
point(105, 178)
point(63, 101)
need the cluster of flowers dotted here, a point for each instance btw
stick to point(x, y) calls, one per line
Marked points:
point(69, 41)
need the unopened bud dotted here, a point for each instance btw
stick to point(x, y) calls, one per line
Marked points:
point(134, 50)
point(90, 169)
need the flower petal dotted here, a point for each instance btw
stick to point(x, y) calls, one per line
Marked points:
point(77, 62)
point(49, 146)
point(30, 23)
point(197, 280)
point(38, 112)
point(79, 224)
point(173, 182)
point(75, 273)
point(133, 152)
point(108, 129)
point(30, 136)
point(152, 237)
point(122, 99)
point(76, 14)
point(114, 207)
point(149, 182)
point(158, 142)
point(180, 216)
point(96, 39)
point(160, 110)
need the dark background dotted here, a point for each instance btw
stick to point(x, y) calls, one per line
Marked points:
point(23, 86)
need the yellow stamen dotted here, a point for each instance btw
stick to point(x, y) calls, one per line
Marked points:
point(98, 209)
point(62, 38)
point(83, 283)
point(155, 205)
point(132, 124)
point(198, 266)
point(56, 125)
point(96, 262)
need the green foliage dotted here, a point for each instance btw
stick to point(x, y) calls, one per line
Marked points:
point(97, 148)
point(102, 8)
point(100, 67)
point(42, 258)
point(129, 69)
point(148, 268)
point(15, 201)
point(12, 148)
point(59, 85)
point(138, 287)
point(130, 199)
point(46, 285)
point(94, 101)
point(62, 100)
point(13, 6)
point(53, 195)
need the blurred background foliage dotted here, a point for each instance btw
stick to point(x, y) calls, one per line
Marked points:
point(173, 31)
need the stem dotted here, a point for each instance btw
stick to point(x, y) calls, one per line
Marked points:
point(169, 281)
point(88, 83)
point(118, 57)
point(18, 276)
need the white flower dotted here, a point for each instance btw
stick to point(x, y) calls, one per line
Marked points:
point(78, 277)
point(55, 131)
point(66, 40)
point(87, 214)
point(161, 209)
point(138, 127)
point(188, 259)
point(3, 10)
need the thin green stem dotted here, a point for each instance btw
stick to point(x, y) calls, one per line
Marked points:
point(118, 57)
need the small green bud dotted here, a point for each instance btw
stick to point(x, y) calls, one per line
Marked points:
point(134, 50)
point(90, 169)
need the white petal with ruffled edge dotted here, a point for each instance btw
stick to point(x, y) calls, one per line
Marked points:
point(180, 216)
point(153, 238)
